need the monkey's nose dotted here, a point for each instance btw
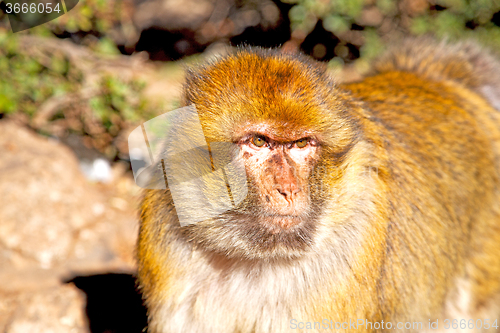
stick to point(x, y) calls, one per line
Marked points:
point(288, 191)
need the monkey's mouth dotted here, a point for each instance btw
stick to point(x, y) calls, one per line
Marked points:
point(255, 235)
point(275, 222)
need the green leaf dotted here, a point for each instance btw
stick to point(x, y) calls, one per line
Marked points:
point(373, 44)
point(449, 24)
point(107, 46)
point(420, 25)
point(336, 24)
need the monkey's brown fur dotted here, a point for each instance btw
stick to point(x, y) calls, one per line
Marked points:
point(403, 193)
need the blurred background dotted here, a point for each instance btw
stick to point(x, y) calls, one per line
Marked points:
point(72, 89)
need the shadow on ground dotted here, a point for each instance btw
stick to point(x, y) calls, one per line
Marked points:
point(113, 303)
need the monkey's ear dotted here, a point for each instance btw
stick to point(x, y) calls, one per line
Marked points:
point(465, 62)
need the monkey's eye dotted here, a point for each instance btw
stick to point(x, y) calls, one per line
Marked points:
point(258, 141)
point(301, 143)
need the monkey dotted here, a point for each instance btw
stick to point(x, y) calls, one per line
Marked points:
point(369, 203)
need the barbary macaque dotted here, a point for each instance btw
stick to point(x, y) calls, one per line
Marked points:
point(377, 200)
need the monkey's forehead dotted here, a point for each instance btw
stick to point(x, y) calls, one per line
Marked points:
point(261, 70)
point(287, 94)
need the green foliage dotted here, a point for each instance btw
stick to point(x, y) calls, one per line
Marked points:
point(120, 99)
point(106, 46)
point(487, 36)
point(373, 44)
point(30, 79)
point(25, 82)
point(442, 18)
point(387, 7)
point(95, 16)
point(336, 24)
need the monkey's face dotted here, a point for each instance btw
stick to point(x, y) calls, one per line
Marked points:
point(283, 116)
point(279, 175)
point(278, 217)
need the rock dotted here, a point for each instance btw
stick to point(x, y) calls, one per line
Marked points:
point(173, 14)
point(56, 225)
point(59, 309)
point(370, 16)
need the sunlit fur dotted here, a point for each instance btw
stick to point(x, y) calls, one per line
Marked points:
point(403, 215)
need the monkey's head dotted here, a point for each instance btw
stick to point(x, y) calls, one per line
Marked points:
point(291, 129)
